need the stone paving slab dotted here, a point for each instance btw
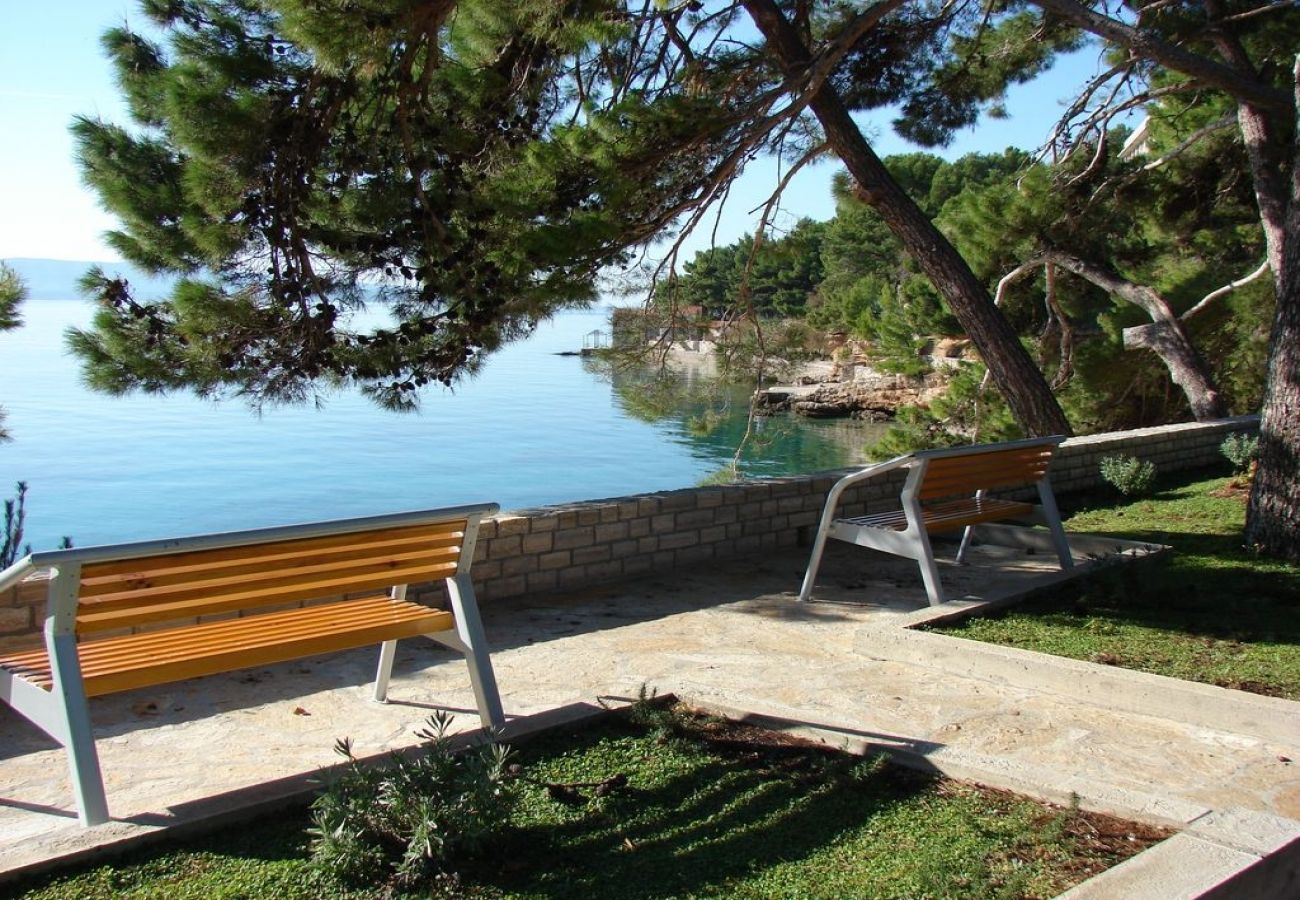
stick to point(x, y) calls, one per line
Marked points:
point(731, 635)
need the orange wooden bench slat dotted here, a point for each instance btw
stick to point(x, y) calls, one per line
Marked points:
point(195, 638)
point(965, 474)
point(147, 591)
point(277, 551)
point(122, 663)
point(91, 620)
point(163, 570)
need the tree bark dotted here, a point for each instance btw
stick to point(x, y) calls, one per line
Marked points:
point(1166, 335)
point(1273, 514)
point(1021, 382)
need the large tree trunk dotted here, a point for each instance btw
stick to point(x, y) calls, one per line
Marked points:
point(1166, 335)
point(1026, 390)
point(1273, 516)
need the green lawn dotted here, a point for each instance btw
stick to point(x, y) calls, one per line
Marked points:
point(709, 809)
point(1211, 612)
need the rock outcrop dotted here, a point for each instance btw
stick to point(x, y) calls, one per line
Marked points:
point(870, 395)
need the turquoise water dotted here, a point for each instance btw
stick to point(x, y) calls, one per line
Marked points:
point(534, 428)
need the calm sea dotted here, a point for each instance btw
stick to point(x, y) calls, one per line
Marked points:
point(534, 428)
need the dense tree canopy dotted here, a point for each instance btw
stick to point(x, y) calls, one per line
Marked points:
point(463, 168)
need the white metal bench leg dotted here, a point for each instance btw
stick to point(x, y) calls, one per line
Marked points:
point(967, 535)
point(79, 738)
point(387, 652)
point(1047, 500)
point(814, 562)
point(469, 628)
point(929, 571)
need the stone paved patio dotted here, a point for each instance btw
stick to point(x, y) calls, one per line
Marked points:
point(730, 636)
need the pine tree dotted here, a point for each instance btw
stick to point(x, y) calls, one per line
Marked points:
point(469, 167)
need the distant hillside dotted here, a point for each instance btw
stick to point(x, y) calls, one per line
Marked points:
point(56, 279)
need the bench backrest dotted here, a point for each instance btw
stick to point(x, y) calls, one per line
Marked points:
point(968, 469)
point(101, 589)
point(182, 585)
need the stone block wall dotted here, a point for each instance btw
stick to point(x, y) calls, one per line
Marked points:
point(562, 547)
point(556, 548)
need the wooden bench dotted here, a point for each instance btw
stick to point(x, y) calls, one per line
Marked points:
point(946, 490)
point(137, 615)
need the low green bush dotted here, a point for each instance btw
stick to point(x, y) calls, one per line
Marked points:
point(1241, 450)
point(412, 821)
point(1129, 475)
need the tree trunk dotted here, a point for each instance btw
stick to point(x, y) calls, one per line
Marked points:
point(1166, 335)
point(1273, 515)
point(1026, 390)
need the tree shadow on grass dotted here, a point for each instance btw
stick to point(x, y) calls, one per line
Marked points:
point(697, 831)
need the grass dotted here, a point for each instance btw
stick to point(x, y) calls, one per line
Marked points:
point(703, 808)
point(1211, 612)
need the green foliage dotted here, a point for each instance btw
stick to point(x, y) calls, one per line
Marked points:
point(1241, 450)
point(777, 278)
point(12, 294)
point(1129, 475)
point(297, 162)
point(414, 820)
point(968, 412)
point(15, 514)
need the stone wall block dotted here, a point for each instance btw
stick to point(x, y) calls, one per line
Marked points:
point(16, 620)
point(560, 559)
point(612, 531)
point(571, 538)
point(695, 519)
point(508, 525)
point(538, 543)
point(713, 535)
point(585, 555)
point(678, 540)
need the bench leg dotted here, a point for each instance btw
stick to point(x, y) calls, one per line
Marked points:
point(814, 562)
point(469, 628)
point(929, 569)
point(967, 534)
point(387, 651)
point(1052, 515)
point(79, 739)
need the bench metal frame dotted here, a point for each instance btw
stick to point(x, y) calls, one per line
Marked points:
point(62, 711)
point(913, 541)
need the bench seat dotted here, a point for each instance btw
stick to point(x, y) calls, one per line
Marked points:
point(125, 662)
point(940, 517)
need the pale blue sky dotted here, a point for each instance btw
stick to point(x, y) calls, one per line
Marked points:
point(51, 69)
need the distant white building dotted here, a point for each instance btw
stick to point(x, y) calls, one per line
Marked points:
point(1138, 142)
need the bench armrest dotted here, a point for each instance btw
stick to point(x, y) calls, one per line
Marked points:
point(16, 573)
point(833, 498)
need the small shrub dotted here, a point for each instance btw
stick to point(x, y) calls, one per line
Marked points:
point(1131, 476)
point(414, 820)
point(15, 514)
point(1241, 450)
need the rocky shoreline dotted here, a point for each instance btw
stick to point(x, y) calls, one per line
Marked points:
point(867, 395)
